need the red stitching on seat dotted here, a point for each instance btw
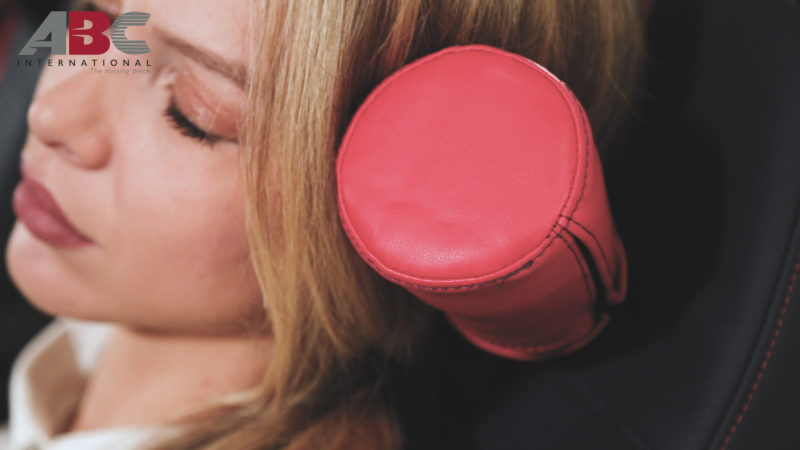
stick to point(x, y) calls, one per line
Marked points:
point(775, 333)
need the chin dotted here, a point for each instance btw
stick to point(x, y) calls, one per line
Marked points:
point(41, 275)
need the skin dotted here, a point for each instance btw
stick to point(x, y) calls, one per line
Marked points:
point(169, 263)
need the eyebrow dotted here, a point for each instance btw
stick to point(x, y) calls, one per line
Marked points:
point(232, 70)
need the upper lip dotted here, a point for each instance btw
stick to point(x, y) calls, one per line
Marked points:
point(48, 200)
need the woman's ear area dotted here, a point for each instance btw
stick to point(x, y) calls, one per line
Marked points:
point(470, 178)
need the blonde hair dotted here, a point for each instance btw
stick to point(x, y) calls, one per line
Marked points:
point(339, 329)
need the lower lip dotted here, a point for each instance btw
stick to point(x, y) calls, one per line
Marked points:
point(43, 222)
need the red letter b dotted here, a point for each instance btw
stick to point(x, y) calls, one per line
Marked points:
point(86, 33)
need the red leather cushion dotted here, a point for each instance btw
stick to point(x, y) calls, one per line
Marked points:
point(470, 178)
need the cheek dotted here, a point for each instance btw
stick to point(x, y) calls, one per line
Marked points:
point(178, 247)
point(181, 252)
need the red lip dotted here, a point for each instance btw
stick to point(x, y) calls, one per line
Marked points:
point(38, 210)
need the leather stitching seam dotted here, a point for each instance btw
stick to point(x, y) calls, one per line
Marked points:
point(597, 241)
point(578, 262)
point(765, 361)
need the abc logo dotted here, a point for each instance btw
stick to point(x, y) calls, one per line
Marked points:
point(86, 33)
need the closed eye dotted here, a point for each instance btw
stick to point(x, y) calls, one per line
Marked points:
point(186, 127)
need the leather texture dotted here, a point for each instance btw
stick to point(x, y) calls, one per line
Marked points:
point(470, 178)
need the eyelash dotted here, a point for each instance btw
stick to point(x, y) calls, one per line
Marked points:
point(176, 118)
point(180, 122)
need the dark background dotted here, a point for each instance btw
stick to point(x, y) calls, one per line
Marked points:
point(18, 320)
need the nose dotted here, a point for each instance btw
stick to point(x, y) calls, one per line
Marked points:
point(67, 116)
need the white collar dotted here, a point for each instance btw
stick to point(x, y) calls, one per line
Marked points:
point(47, 382)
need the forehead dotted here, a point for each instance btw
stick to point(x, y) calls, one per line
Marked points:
point(222, 27)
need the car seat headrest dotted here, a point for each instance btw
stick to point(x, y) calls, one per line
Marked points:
point(470, 177)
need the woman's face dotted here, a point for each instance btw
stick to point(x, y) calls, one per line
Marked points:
point(123, 155)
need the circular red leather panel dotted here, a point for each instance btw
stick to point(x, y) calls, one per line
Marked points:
point(458, 167)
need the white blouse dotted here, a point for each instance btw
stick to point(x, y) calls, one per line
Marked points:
point(47, 381)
